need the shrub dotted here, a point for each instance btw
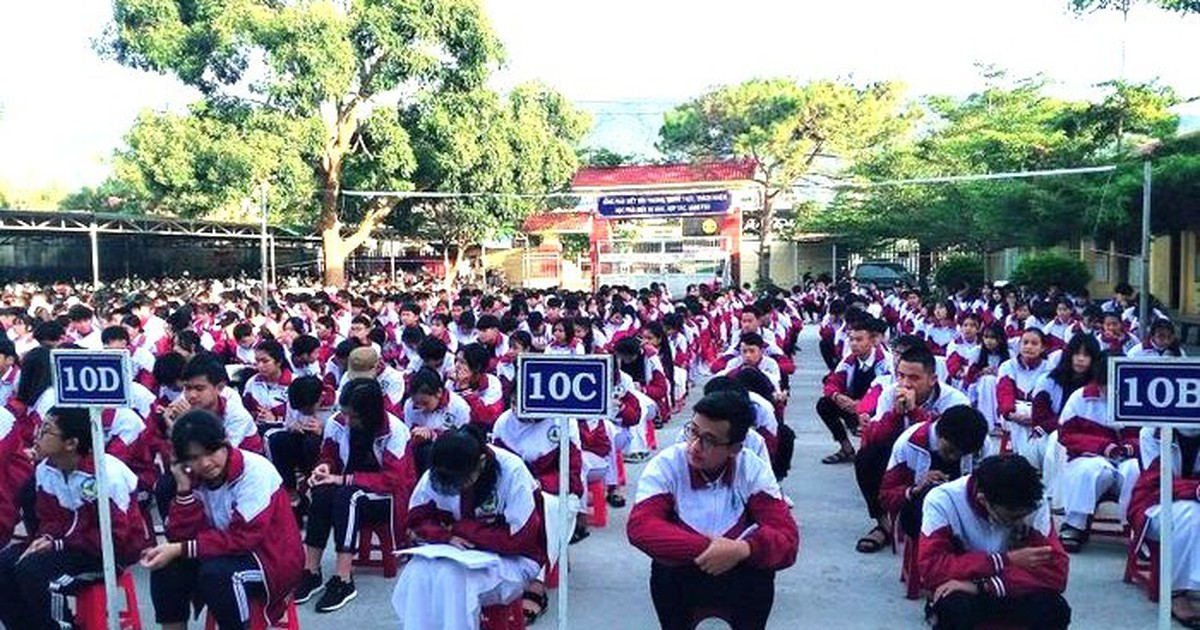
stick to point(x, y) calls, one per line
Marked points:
point(958, 271)
point(1039, 271)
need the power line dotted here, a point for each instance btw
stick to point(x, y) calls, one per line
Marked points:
point(980, 177)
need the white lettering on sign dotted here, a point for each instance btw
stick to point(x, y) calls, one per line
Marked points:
point(1162, 392)
point(562, 387)
point(91, 379)
point(1189, 393)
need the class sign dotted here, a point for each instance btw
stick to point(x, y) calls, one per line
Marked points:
point(1154, 391)
point(553, 386)
point(91, 378)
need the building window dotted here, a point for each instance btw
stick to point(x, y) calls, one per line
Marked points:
point(1100, 268)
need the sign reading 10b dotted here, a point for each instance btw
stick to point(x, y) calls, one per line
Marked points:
point(552, 386)
point(91, 378)
point(1155, 391)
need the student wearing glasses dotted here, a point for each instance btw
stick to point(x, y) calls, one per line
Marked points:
point(713, 521)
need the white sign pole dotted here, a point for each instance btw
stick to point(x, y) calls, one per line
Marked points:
point(566, 523)
point(103, 509)
point(1166, 524)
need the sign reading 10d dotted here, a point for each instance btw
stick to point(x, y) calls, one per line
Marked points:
point(553, 386)
point(1155, 391)
point(91, 378)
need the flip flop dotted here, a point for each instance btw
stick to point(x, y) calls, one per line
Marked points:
point(1072, 539)
point(615, 500)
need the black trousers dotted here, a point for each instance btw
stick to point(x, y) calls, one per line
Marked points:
point(870, 463)
point(225, 584)
point(33, 592)
point(835, 419)
point(164, 494)
point(293, 452)
point(343, 510)
point(1044, 610)
point(746, 594)
point(828, 353)
point(27, 501)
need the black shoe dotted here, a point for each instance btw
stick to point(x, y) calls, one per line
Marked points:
point(337, 594)
point(310, 584)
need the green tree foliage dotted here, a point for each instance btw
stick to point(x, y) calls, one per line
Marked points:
point(321, 80)
point(1039, 271)
point(958, 271)
point(466, 142)
point(1087, 6)
point(785, 128)
point(1010, 126)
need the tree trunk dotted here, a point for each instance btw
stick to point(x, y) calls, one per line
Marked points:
point(332, 245)
point(765, 230)
point(335, 259)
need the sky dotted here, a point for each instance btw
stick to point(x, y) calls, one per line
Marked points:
point(63, 109)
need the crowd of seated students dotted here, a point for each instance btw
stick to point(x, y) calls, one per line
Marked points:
point(978, 416)
point(258, 435)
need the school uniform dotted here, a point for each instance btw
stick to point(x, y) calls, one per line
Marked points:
point(445, 587)
point(452, 412)
point(852, 377)
point(880, 435)
point(379, 476)
point(16, 469)
point(240, 541)
point(260, 394)
point(915, 454)
point(939, 337)
point(676, 513)
point(1015, 385)
point(8, 383)
point(1145, 513)
point(1119, 346)
point(960, 356)
point(1059, 333)
point(1101, 457)
point(33, 593)
point(486, 400)
point(959, 541)
point(1147, 349)
point(536, 443)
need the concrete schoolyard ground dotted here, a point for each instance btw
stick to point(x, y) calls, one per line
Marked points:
point(831, 585)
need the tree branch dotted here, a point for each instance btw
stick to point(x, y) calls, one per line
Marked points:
point(374, 217)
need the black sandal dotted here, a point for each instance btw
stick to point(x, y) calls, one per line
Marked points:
point(1072, 539)
point(840, 457)
point(541, 600)
point(614, 499)
point(868, 544)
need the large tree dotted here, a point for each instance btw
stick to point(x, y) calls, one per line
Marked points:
point(785, 128)
point(1181, 6)
point(1010, 126)
point(519, 147)
point(323, 78)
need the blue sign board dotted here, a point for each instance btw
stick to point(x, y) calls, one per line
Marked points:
point(1154, 391)
point(670, 204)
point(91, 378)
point(557, 385)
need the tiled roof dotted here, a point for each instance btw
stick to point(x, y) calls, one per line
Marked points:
point(558, 222)
point(650, 174)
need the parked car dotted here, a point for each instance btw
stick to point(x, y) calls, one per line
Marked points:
point(883, 274)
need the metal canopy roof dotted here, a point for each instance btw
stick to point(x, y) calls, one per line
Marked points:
point(106, 223)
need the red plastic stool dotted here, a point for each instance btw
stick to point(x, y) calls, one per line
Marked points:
point(552, 576)
point(620, 470)
point(1143, 572)
point(503, 617)
point(91, 608)
point(597, 504)
point(386, 548)
point(908, 570)
point(651, 436)
point(291, 621)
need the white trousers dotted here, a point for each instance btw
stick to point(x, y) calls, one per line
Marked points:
point(445, 594)
point(1027, 443)
point(1086, 479)
point(984, 399)
point(1185, 543)
point(1053, 462)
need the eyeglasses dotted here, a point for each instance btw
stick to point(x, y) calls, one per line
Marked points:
point(692, 434)
point(45, 430)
